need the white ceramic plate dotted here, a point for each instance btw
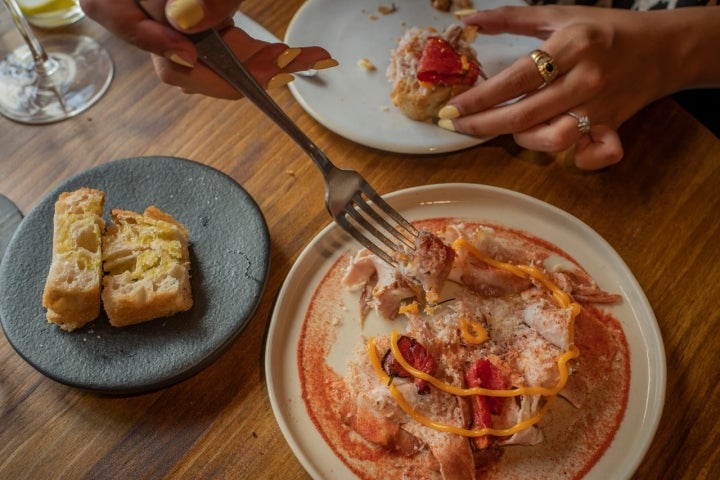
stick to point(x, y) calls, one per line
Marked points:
point(355, 103)
point(494, 205)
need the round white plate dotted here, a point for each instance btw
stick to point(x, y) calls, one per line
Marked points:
point(355, 103)
point(493, 205)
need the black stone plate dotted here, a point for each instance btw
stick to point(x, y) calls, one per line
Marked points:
point(230, 252)
point(10, 218)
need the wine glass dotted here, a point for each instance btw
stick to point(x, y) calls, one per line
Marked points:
point(49, 82)
point(51, 13)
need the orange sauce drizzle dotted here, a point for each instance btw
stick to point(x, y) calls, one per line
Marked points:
point(475, 331)
point(472, 331)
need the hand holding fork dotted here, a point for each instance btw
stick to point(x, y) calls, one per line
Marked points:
point(175, 56)
point(353, 204)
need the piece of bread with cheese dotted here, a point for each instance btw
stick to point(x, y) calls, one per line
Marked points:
point(427, 68)
point(146, 261)
point(72, 287)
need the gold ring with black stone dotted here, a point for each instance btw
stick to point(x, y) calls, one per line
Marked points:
point(546, 65)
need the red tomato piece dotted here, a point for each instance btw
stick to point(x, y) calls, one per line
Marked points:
point(416, 355)
point(441, 64)
point(482, 373)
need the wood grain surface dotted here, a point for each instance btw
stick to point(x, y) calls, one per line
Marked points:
point(659, 209)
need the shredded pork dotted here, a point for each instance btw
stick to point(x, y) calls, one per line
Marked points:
point(456, 292)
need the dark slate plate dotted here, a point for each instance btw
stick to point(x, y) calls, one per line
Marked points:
point(230, 251)
point(10, 218)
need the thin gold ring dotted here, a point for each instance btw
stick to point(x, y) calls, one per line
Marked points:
point(546, 65)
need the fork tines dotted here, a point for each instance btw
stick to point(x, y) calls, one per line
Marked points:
point(376, 225)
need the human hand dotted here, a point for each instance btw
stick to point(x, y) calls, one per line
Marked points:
point(610, 66)
point(175, 56)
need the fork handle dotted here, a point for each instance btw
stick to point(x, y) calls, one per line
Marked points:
point(215, 53)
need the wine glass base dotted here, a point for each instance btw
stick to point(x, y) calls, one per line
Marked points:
point(77, 74)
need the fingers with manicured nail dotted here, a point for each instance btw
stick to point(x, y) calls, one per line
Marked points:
point(271, 64)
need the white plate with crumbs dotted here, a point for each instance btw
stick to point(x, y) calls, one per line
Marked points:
point(646, 392)
point(355, 103)
point(229, 254)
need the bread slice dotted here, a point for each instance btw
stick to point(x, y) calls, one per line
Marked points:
point(72, 287)
point(422, 100)
point(146, 261)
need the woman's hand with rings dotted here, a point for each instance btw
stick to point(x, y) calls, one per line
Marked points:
point(175, 56)
point(603, 69)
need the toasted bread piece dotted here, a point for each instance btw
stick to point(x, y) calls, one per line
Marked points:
point(423, 100)
point(146, 261)
point(72, 288)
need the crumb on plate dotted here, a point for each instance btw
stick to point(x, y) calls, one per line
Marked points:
point(366, 64)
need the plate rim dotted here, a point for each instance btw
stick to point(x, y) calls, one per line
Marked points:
point(653, 399)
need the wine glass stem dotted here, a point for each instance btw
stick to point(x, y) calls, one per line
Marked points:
point(38, 52)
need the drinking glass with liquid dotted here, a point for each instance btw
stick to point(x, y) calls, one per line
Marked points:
point(51, 13)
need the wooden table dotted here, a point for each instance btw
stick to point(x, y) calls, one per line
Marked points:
point(659, 209)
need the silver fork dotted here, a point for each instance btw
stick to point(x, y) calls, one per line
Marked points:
point(353, 204)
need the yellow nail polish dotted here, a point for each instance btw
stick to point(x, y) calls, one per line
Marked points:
point(288, 56)
point(280, 80)
point(449, 112)
point(325, 63)
point(464, 12)
point(185, 13)
point(446, 123)
point(175, 58)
